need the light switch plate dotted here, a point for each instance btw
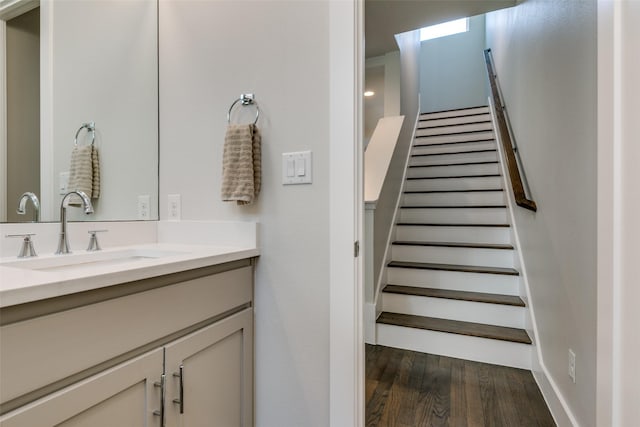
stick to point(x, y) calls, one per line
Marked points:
point(301, 163)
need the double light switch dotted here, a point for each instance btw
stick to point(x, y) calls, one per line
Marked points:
point(296, 168)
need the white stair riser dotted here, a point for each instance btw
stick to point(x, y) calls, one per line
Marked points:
point(455, 215)
point(462, 170)
point(447, 255)
point(482, 156)
point(439, 139)
point(455, 280)
point(453, 148)
point(454, 184)
point(466, 311)
point(453, 345)
point(453, 234)
point(455, 113)
point(455, 120)
point(455, 199)
point(454, 129)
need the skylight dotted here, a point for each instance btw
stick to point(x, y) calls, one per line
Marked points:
point(444, 29)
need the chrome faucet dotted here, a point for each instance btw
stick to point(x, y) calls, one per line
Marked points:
point(63, 242)
point(22, 205)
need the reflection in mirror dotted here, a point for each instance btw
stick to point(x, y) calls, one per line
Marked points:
point(98, 63)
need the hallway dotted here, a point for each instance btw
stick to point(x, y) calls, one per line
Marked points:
point(410, 389)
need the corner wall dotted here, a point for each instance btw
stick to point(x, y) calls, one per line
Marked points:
point(210, 53)
point(545, 55)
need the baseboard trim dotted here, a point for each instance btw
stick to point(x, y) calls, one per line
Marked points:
point(370, 336)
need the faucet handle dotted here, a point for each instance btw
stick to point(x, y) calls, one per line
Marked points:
point(93, 240)
point(26, 250)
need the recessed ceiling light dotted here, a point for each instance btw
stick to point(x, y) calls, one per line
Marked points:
point(369, 93)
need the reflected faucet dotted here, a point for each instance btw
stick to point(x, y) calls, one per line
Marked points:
point(22, 205)
point(63, 242)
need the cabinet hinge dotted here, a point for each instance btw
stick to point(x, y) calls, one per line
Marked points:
point(356, 249)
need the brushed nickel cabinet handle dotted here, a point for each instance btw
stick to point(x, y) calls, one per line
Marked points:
point(180, 400)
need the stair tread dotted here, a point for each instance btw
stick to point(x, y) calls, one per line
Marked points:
point(454, 109)
point(454, 244)
point(455, 267)
point(467, 132)
point(488, 175)
point(456, 295)
point(456, 152)
point(452, 117)
point(493, 162)
point(429, 224)
point(481, 330)
point(437, 144)
point(479, 122)
point(452, 191)
point(452, 206)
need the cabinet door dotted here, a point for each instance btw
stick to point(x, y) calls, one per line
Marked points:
point(120, 396)
point(217, 375)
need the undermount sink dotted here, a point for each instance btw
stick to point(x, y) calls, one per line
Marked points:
point(90, 259)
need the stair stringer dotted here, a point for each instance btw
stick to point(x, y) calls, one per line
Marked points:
point(556, 402)
point(372, 311)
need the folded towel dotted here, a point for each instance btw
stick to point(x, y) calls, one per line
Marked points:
point(84, 173)
point(241, 164)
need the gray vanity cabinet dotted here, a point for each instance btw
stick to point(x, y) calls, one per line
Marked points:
point(118, 396)
point(101, 361)
point(209, 379)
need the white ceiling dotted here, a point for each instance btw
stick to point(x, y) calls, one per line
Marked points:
point(385, 18)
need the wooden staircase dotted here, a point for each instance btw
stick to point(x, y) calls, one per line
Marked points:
point(452, 287)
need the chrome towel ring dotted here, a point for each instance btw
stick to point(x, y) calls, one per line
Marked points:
point(90, 127)
point(245, 99)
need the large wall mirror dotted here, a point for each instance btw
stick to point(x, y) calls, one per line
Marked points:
point(66, 63)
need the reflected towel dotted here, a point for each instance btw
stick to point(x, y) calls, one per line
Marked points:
point(84, 173)
point(241, 164)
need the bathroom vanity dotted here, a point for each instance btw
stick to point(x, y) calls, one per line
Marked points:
point(161, 335)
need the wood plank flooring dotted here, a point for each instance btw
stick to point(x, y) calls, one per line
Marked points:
point(410, 389)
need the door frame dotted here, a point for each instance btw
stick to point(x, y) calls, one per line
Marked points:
point(346, 296)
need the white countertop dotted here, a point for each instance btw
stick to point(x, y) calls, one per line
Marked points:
point(22, 285)
point(131, 251)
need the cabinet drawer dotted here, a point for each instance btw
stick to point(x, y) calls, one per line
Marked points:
point(41, 351)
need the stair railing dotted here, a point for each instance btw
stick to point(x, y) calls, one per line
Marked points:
point(508, 143)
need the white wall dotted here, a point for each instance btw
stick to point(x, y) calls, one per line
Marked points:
point(389, 102)
point(545, 55)
point(409, 44)
point(210, 52)
point(103, 69)
point(452, 70)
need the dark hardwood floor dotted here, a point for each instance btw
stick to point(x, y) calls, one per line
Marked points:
point(409, 389)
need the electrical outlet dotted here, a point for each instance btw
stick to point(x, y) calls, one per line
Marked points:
point(63, 183)
point(173, 203)
point(572, 365)
point(143, 207)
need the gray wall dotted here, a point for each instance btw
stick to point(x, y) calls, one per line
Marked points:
point(280, 53)
point(545, 55)
point(373, 105)
point(452, 70)
point(23, 111)
point(410, 75)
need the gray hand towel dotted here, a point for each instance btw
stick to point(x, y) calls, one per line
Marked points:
point(84, 173)
point(241, 164)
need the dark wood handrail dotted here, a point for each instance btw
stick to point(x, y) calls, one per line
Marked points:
point(505, 137)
